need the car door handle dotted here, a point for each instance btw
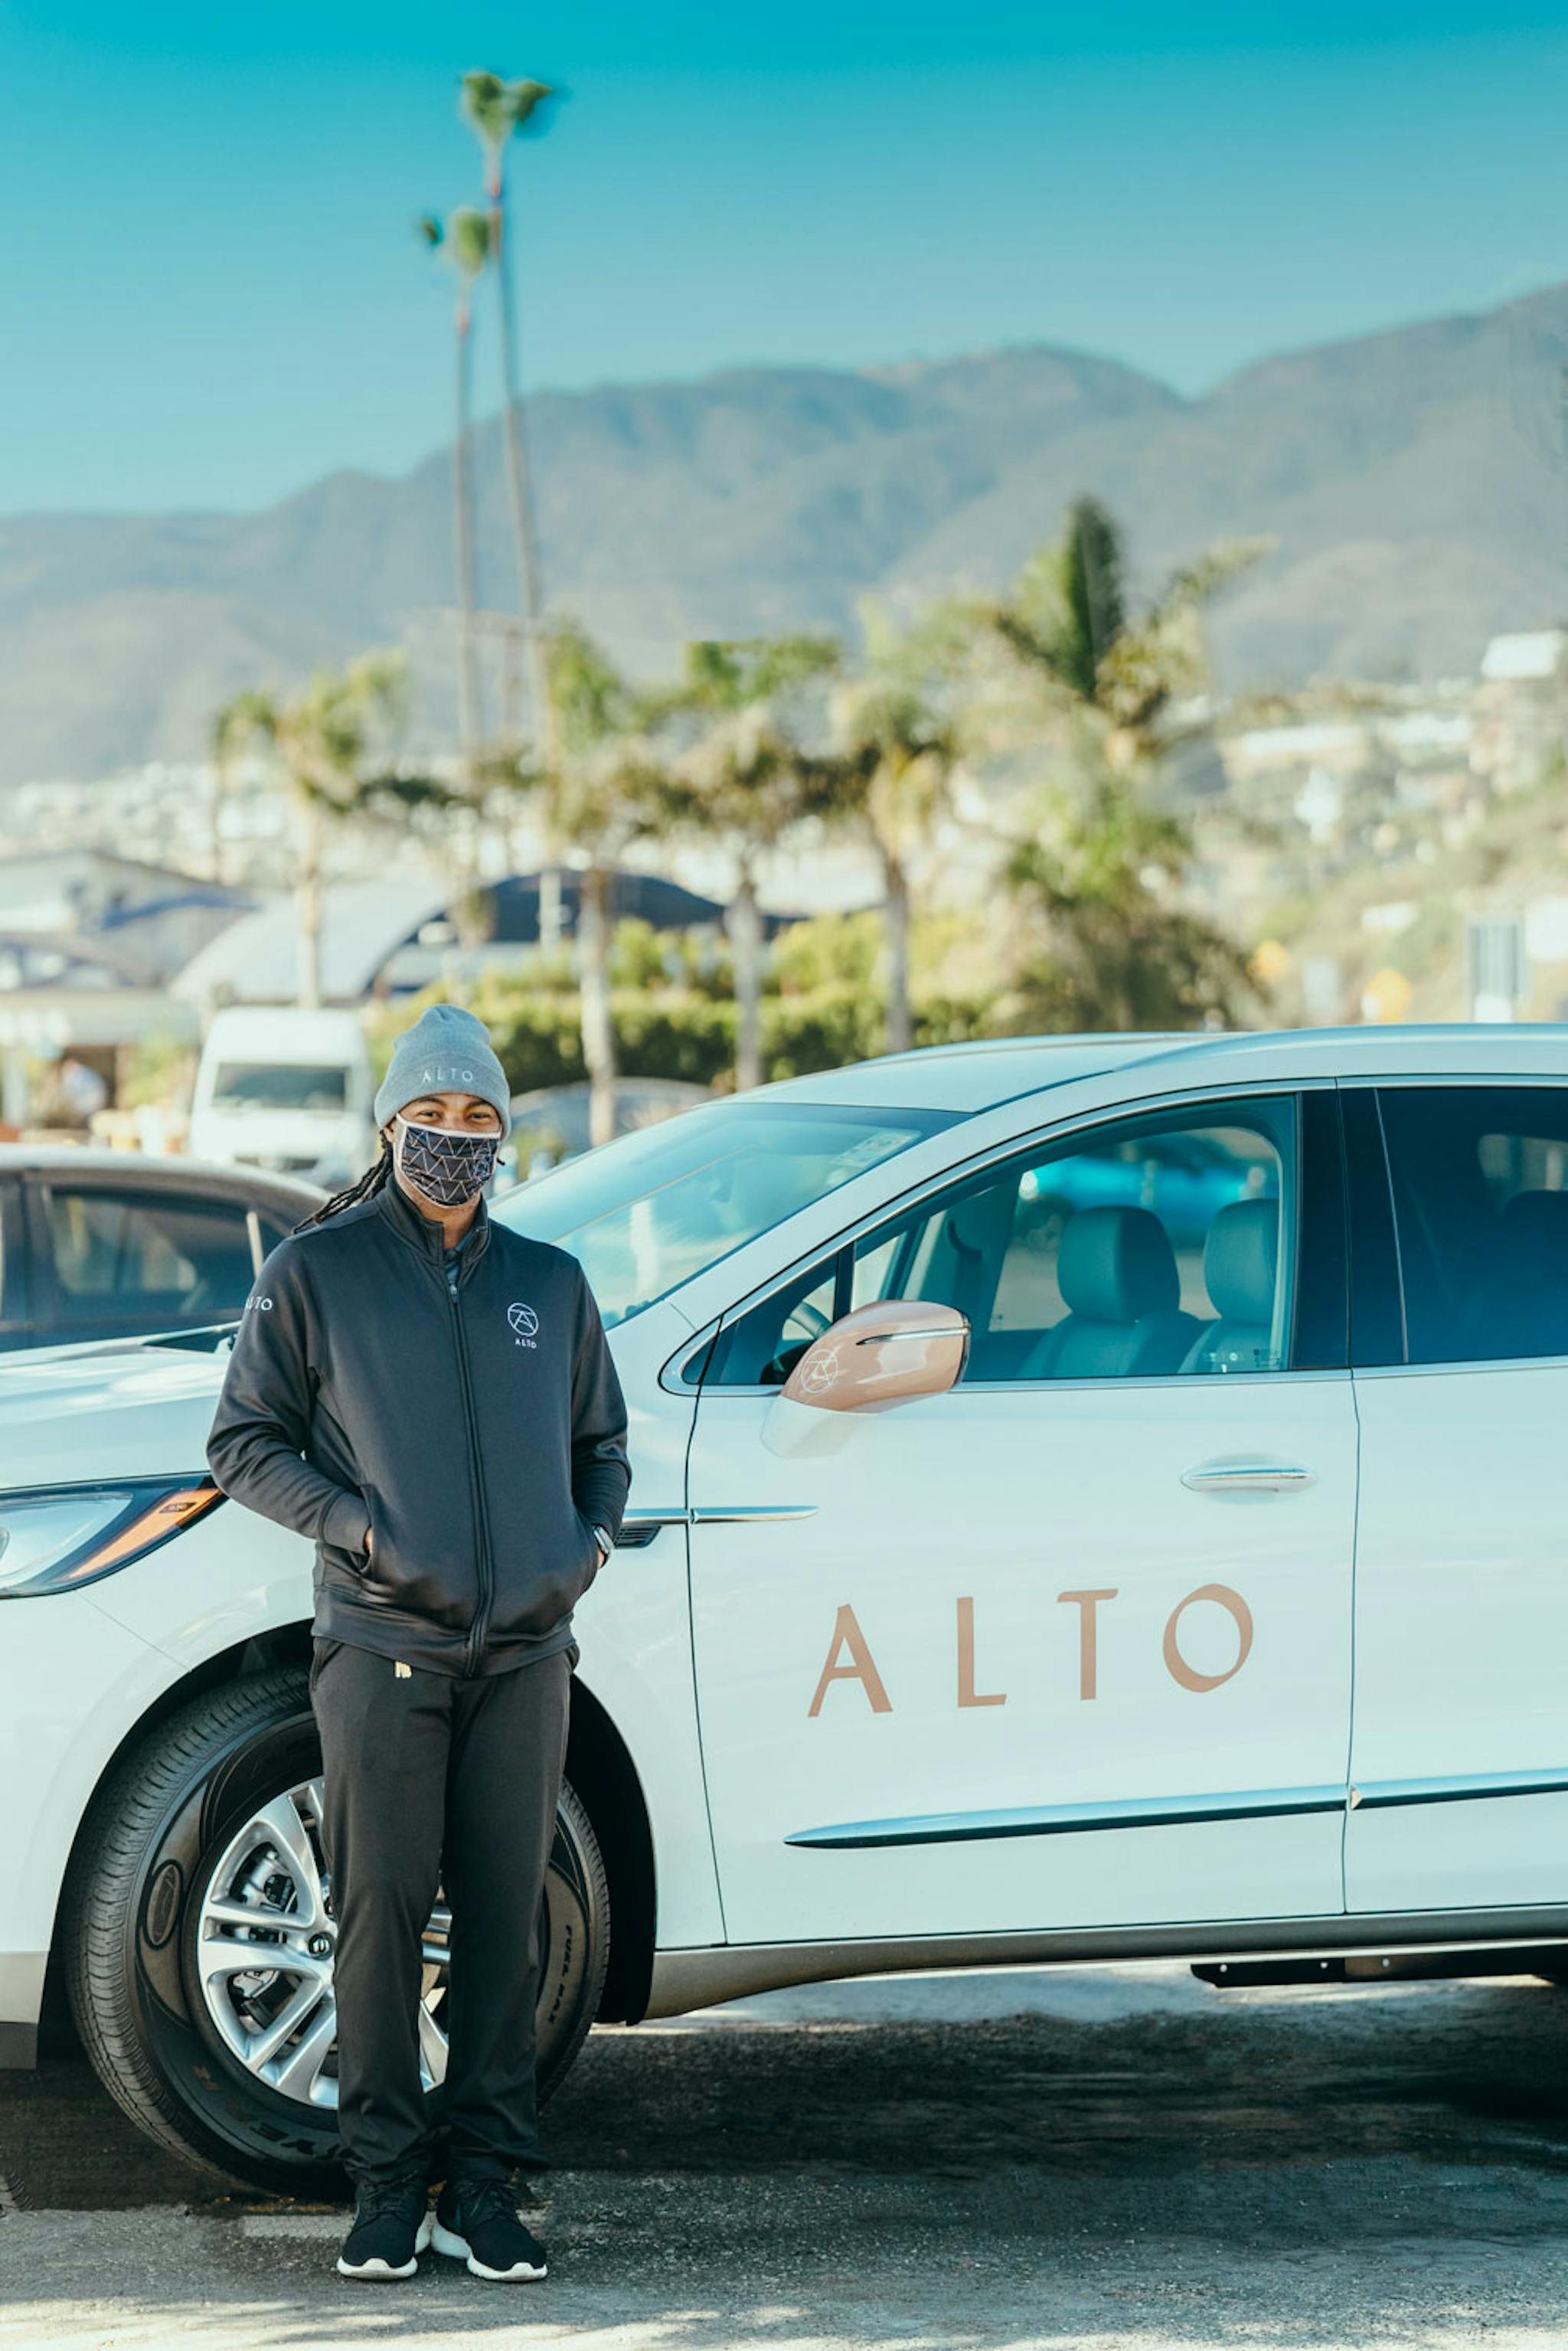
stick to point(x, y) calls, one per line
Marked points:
point(1246, 1477)
point(639, 1527)
point(751, 1514)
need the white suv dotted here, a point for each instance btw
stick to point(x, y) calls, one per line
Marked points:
point(1028, 1441)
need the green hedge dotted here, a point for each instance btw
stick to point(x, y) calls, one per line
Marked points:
point(663, 1034)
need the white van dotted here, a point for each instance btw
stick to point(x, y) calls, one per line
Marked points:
point(285, 1088)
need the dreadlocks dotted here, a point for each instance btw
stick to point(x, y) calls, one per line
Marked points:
point(370, 1183)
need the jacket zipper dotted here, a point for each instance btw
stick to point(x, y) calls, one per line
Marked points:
point(476, 1482)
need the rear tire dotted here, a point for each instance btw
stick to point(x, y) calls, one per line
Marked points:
point(133, 1908)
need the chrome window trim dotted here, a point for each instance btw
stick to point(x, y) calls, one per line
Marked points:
point(672, 1372)
point(1188, 1383)
point(1361, 1081)
point(1247, 1090)
point(1458, 1364)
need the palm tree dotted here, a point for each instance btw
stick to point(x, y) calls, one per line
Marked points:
point(498, 111)
point(1100, 865)
point(606, 791)
point(1118, 954)
point(230, 733)
point(890, 777)
point(323, 741)
point(1118, 677)
point(464, 241)
point(745, 782)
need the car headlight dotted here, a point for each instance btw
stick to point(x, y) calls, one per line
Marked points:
point(54, 1538)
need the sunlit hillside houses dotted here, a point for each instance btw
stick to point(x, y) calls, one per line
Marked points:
point(1520, 733)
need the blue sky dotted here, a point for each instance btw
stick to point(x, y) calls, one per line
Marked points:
point(210, 291)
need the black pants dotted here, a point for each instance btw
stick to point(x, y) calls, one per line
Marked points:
point(434, 1779)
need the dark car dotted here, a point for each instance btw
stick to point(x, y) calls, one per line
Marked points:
point(111, 1245)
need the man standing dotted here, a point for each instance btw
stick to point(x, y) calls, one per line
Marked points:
point(430, 1396)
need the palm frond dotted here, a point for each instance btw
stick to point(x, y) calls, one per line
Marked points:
point(495, 108)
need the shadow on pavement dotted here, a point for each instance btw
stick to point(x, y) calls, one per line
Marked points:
point(1379, 2166)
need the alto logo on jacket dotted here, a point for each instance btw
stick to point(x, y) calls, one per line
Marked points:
point(524, 1322)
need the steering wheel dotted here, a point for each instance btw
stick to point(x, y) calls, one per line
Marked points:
point(775, 1374)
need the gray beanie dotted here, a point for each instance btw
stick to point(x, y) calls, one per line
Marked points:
point(447, 1052)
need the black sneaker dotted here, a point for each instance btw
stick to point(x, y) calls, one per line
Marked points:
point(392, 2228)
point(477, 2220)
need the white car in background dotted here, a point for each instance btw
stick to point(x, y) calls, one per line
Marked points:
point(1027, 1437)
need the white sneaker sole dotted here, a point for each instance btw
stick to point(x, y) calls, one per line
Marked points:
point(448, 2240)
point(380, 2269)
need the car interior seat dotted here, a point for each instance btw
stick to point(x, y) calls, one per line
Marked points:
point(966, 1265)
point(1520, 1307)
point(1240, 1267)
point(1117, 1275)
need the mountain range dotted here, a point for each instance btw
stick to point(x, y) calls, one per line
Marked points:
point(1414, 484)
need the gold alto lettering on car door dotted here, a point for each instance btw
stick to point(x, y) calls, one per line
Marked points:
point(967, 1693)
point(1176, 1665)
point(861, 1666)
point(850, 1659)
point(1087, 1605)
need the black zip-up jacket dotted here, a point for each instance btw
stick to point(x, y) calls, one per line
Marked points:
point(465, 1408)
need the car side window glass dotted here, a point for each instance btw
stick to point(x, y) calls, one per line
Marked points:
point(1480, 1177)
point(1142, 1248)
point(125, 1255)
point(761, 1348)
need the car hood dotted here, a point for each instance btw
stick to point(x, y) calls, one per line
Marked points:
point(121, 1408)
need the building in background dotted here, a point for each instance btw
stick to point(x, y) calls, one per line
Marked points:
point(1521, 710)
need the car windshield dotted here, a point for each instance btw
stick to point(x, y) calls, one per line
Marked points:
point(280, 1085)
point(646, 1213)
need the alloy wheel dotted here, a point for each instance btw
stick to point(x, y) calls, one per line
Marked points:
point(266, 1942)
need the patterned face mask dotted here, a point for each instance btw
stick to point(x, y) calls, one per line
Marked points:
point(446, 1168)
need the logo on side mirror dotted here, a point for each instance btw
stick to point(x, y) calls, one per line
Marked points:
point(882, 1355)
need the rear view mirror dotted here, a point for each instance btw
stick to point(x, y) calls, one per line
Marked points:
point(882, 1355)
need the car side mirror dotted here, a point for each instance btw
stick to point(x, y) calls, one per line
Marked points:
point(882, 1355)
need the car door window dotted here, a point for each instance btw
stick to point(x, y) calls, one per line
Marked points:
point(270, 1229)
point(123, 1256)
point(1142, 1248)
point(1480, 1177)
point(12, 1257)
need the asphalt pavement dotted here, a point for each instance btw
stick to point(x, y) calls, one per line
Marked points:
point(1084, 2159)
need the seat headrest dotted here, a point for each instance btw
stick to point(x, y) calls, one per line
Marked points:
point(978, 1221)
point(1241, 1260)
point(1116, 1265)
point(1537, 1221)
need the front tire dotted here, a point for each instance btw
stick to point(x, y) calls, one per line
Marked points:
point(196, 1933)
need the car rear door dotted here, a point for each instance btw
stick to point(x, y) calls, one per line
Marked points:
point(1070, 1645)
point(1459, 1755)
